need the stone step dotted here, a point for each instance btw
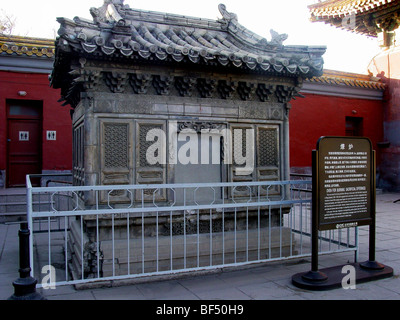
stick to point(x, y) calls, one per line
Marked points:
point(21, 207)
point(18, 198)
point(12, 217)
point(13, 205)
point(14, 201)
point(7, 208)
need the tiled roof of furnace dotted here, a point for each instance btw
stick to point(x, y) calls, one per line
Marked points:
point(119, 32)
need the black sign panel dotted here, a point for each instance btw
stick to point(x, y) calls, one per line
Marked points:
point(345, 182)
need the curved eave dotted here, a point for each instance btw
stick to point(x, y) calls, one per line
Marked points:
point(364, 11)
point(341, 8)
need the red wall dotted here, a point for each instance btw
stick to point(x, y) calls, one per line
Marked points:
point(317, 115)
point(56, 155)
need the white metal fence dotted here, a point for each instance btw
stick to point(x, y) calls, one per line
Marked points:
point(100, 233)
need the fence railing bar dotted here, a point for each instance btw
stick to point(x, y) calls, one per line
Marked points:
point(223, 226)
point(235, 227)
point(157, 253)
point(269, 234)
point(258, 227)
point(247, 233)
point(113, 244)
point(142, 197)
point(198, 238)
point(66, 246)
point(97, 236)
point(82, 262)
point(170, 242)
point(97, 247)
point(301, 228)
point(211, 241)
point(165, 209)
point(49, 242)
point(128, 243)
point(176, 186)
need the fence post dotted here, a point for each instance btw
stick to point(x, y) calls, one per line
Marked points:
point(25, 285)
point(314, 275)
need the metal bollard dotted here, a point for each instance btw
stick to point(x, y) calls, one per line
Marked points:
point(25, 285)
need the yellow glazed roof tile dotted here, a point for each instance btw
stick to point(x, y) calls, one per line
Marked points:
point(27, 46)
point(348, 79)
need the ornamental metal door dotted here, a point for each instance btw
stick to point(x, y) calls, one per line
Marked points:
point(23, 141)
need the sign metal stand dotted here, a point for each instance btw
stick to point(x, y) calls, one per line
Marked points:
point(343, 196)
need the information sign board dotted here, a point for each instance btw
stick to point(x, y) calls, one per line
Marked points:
point(345, 182)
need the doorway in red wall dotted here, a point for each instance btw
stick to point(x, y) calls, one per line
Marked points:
point(24, 140)
point(354, 126)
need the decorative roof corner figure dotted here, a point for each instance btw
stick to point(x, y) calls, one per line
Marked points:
point(109, 12)
point(277, 39)
point(225, 14)
point(230, 21)
point(117, 3)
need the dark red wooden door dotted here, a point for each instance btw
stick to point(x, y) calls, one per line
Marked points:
point(23, 147)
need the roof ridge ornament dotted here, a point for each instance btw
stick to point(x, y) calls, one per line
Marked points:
point(277, 39)
point(113, 14)
point(229, 16)
point(109, 12)
point(117, 3)
point(230, 22)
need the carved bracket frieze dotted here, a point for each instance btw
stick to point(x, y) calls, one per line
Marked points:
point(246, 89)
point(286, 93)
point(116, 81)
point(226, 88)
point(88, 78)
point(264, 91)
point(162, 84)
point(185, 86)
point(206, 87)
point(140, 82)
